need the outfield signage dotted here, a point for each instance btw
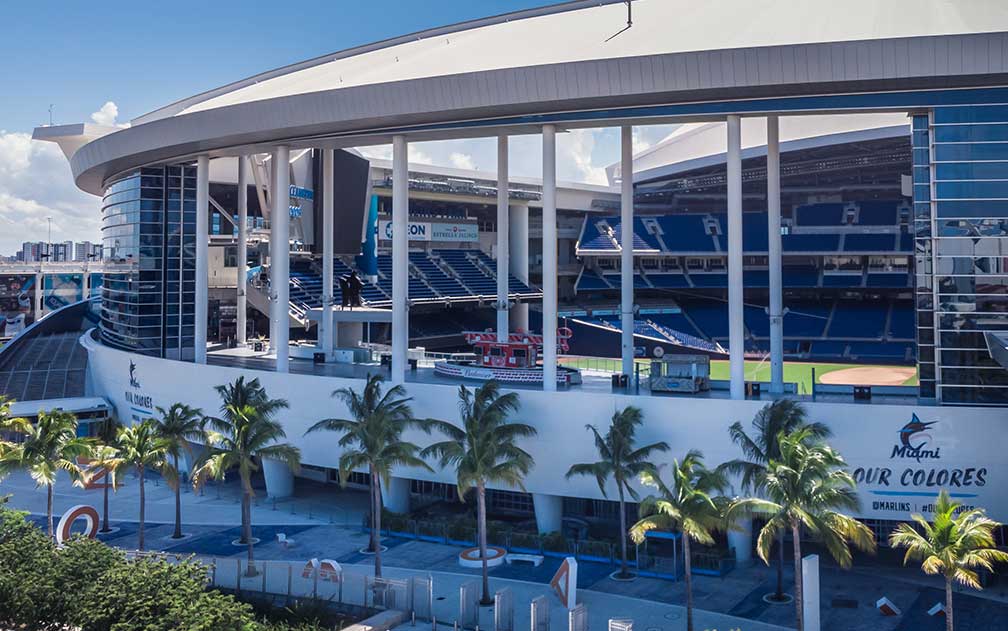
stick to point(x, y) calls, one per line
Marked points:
point(912, 468)
point(425, 231)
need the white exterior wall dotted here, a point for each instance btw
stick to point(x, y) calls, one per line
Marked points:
point(865, 434)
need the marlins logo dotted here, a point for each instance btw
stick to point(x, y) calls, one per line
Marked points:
point(914, 437)
point(133, 380)
point(914, 431)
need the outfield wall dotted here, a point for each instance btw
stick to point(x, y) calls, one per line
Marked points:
point(902, 454)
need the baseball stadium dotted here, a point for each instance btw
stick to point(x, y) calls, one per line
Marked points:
point(826, 222)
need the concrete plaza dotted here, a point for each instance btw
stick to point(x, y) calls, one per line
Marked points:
point(325, 522)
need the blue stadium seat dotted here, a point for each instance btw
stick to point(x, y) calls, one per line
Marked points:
point(709, 279)
point(810, 242)
point(888, 279)
point(685, 233)
point(825, 214)
point(841, 280)
point(712, 318)
point(870, 243)
point(800, 276)
point(828, 349)
point(878, 213)
point(858, 319)
point(902, 321)
point(668, 280)
point(590, 281)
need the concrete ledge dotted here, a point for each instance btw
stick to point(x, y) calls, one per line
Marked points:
point(379, 622)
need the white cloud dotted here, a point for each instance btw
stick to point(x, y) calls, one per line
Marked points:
point(35, 183)
point(582, 154)
point(107, 115)
point(461, 160)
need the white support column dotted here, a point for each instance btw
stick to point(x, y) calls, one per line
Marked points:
point(519, 260)
point(626, 251)
point(281, 264)
point(400, 257)
point(548, 512)
point(776, 311)
point(810, 593)
point(278, 477)
point(502, 238)
point(549, 266)
point(325, 330)
point(736, 350)
point(272, 258)
point(396, 495)
point(242, 275)
point(202, 254)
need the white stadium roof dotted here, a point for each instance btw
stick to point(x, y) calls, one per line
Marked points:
point(579, 31)
point(681, 61)
point(697, 145)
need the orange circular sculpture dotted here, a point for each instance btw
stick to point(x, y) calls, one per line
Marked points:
point(81, 511)
point(470, 557)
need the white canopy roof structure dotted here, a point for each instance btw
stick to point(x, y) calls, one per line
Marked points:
point(696, 145)
point(580, 31)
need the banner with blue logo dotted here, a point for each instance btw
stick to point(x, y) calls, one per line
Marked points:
point(367, 260)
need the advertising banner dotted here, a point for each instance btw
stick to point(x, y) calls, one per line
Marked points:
point(17, 298)
point(59, 290)
point(424, 231)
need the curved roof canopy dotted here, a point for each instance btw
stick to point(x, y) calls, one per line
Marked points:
point(560, 64)
point(580, 31)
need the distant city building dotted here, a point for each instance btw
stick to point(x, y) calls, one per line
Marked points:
point(64, 252)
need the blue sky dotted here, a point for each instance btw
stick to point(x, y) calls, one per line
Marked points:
point(122, 59)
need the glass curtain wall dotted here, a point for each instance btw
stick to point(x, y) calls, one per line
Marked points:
point(149, 246)
point(961, 221)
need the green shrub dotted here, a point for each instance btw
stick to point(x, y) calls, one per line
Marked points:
point(89, 585)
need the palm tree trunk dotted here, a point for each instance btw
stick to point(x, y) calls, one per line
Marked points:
point(178, 504)
point(949, 624)
point(105, 519)
point(140, 532)
point(798, 576)
point(247, 531)
point(622, 533)
point(780, 565)
point(688, 567)
point(481, 526)
point(49, 508)
point(376, 504)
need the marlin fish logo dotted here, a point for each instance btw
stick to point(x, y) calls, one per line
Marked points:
point(133, 380)
point(916, 428)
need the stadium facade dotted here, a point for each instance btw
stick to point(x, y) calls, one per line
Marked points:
point(813, 218)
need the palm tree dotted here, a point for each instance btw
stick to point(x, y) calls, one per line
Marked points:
point(372, 438)
point(806, 487)
point(689, 506)
point(8, 425)
point(246, 432)
point(782, 416)
point(48, 445)
point(484, 450)
point(954, 544)
point(141, 447)
point(179, 425)
point(621, 460)
point(106, 459)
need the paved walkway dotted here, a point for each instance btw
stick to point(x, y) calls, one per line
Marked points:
point(325, 523)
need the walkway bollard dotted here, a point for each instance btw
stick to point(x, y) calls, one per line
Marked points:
point(412, 618)
point(263, 589)
point(289, 572)
point(433, 622)
point(238, 574)
point(315, 583)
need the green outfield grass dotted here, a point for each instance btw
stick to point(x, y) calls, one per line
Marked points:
point(794, 372)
